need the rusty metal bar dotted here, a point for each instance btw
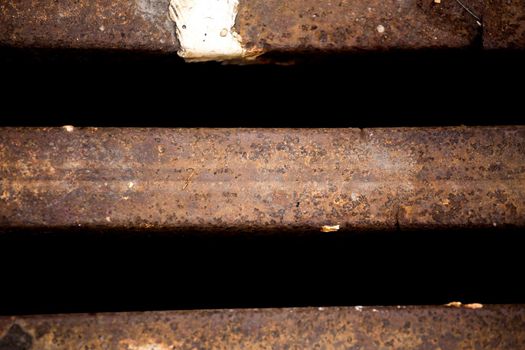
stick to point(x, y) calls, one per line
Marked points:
point(262, 179)
point(89, 24)
point(500, 327)
point(350, 25)
point(270, 25)
point(355, 25)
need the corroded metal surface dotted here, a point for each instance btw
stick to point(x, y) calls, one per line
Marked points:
point(91, 24)
point(269, 25)
point(504, 24)
point(262, 179)
point(274, 25)
point(411, 328)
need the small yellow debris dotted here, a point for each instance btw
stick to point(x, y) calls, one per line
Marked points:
point(130, 184)
point(108, 219)
point(5, 195)
point(408, 210)
point(468, 306)
point(330, 228)
point(437, 1)
point(454, 304)
point(69, 128)
point(136, 345)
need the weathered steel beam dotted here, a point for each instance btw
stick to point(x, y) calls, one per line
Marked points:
point(262, 179)
point(87, 24)
point(350, 25)
point(504, 23)
point(356, 25)
point(500, 327)
point(266, 26)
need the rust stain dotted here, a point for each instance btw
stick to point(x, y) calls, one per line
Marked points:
point(310, 25)
point(263, 179)
point(88, 24)
point(500, 327)
point(504, 23)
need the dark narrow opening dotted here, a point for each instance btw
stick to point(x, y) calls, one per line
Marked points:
point(129, 271)
point(369, 89)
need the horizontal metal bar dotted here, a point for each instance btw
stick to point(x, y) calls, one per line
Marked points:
point(350, 25)
point(271, 25)
point(88, 24)
point(262, 179)
point(354, 25)
point(500, 327)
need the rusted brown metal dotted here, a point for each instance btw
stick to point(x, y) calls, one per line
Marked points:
point(88, 24)
point(273, 25)
point(504, 24)
point(270, 25)
point(500, 327)
point(262, 179)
